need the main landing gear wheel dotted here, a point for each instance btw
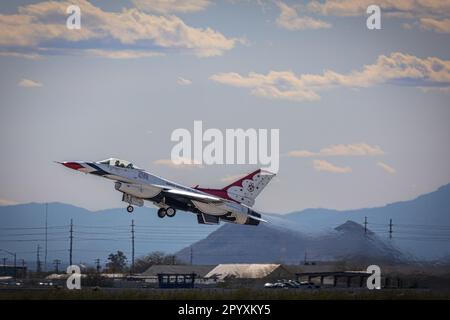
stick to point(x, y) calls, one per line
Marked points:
point(130, 209)
point(161, 212)
point(170, 212)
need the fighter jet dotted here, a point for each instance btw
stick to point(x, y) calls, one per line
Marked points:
point(230, 204)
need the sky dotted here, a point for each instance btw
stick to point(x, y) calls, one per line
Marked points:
point(362, 114)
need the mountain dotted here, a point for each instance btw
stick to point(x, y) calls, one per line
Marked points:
point(420, 229)
point(270, 243)
point(95, 233)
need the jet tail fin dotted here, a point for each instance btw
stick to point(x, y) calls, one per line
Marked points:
point(246, 189)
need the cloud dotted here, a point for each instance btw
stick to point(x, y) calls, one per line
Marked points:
point(386, 168)
point(183, 82)
point(440, 26)
point(120, 54)
point(168, 6)
point(31, 56)
point(356, 149)
point(289, 19)
point(428, 14)
point(301, 154)
point(180, 163)
point(398, 8)
point(36, 25)
point(27, 83)
point(6, 202)
point(396, 68)
point(323, 165)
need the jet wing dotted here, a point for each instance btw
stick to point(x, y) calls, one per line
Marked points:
point(191, 195)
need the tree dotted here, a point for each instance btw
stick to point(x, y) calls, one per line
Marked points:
point(118, 262)
point(157, 257)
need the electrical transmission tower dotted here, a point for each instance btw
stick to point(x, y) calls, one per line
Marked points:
point(56, 262)
point(38, 260)
point(71, 242)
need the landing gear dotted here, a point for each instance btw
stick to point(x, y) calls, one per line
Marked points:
point(130, 209)
point(161, 212)
point(170, 212)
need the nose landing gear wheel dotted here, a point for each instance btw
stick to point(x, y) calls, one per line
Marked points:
point(130, 209)
point(170, 212)
point(161, 212)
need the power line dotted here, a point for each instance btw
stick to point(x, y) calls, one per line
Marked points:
point(32, 228)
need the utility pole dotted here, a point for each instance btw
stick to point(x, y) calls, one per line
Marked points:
point(38, 260)
point(97, 265)
point(46, 233)
point(56, 262)
point(390, 228)
point(192, 255)
point(24, 273)
point(4, 264)
point(71, 242)
point(365, 225)
point(132, 246)
point(15, 261)
point(305, 260)
point(15, 266)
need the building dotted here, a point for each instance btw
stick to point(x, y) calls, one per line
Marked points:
point(151, 274)
point(241, 271)
point(11, 271)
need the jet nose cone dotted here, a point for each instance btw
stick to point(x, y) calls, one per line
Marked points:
point(72, 165)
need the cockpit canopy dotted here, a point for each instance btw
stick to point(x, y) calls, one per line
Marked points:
point(118, 163)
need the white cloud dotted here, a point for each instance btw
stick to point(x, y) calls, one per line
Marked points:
point(31, 56)
point(397, 68)
point(323, 165)
point(386, 167)
point(290, 20)
point(356, 149)
point(27, 83)
point(440, 26)
point(35, 25)
point(180, 163)
point(429, 14)
point(183, 82)
point(301, 154)
point(6, 202)
point(168, 6)
point(403, 8)
point(120, 54)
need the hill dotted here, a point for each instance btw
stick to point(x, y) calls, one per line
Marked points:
point(271, 243)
